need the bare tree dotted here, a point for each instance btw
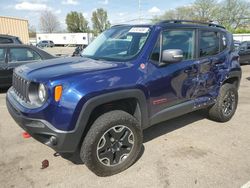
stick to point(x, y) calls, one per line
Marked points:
point(205, 10)
point(49, 22)
point(233, 13)
point(180, 13)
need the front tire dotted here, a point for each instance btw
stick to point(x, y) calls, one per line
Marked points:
point(226, 104)
point(112, 144)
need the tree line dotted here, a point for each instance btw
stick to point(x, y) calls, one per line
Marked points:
point(232, 14)
point(76, 22)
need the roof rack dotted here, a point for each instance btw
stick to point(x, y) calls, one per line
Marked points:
point(210, 24)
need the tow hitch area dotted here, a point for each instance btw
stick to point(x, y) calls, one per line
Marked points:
point(26, 135)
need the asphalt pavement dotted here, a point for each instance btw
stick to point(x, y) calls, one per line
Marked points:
point(188, 151)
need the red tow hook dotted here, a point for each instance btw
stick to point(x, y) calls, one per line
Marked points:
point(26, 135)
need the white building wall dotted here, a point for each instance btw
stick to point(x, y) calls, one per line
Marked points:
point(66, 38)
point(242, 37)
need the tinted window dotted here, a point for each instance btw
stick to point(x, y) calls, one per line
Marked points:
point(176, 39)
point(209, 43)
point(2, 55)
point(179, 39)
point(23, 54)
point(18, 40)
point(5, 40)
point(243, 46)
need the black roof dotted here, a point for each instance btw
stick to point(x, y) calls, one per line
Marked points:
point(7, 36)
point(44, 54)
point(193, 22)
point(179, 23)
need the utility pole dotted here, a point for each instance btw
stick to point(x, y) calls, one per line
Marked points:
point(139, 8)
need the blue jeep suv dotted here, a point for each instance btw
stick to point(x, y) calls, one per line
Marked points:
point(129, 78)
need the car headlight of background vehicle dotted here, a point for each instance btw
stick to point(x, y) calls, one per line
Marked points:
point(38, 94)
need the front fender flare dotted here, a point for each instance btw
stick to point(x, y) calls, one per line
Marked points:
point(94, 102)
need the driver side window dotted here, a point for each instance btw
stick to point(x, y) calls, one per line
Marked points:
point(175, 39)
point(23, 54)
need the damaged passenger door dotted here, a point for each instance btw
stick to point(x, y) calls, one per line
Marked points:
point(211, 60)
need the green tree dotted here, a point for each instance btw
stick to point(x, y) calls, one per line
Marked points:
point(32, 31)
point(205, 10)
point(100, 20)
point(76, 22)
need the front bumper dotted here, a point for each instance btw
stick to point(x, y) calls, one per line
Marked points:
point(43, 131)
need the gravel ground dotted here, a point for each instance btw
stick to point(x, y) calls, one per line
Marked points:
point(189, 151)
point(60, 51)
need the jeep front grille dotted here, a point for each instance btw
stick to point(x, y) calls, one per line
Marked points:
point(21, 87)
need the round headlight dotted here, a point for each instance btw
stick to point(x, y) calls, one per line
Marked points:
point(42, 93)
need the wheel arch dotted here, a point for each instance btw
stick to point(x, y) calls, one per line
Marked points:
point(233, 77)
point(141, 110)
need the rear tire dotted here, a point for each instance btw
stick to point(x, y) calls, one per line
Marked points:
point(226, 104)
point(112, 144)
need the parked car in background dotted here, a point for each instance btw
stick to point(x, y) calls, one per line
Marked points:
point(244, 52)
point(8, 39)
point(237, 44)
point(13, 55)
point(45, 43)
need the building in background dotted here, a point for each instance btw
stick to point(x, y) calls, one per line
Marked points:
point(64, 39)
point(242, 37)
point(15, 27)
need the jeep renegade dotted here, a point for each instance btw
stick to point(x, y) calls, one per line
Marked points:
point(129, 78)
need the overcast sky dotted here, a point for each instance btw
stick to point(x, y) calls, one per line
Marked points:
point(118, 10)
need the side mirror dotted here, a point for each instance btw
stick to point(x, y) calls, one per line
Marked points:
point(172, 56)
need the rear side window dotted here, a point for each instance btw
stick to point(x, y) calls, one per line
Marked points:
point(5, 40)
point(209, 43)
point(245, 46)
point(18, 40)
point(248, 46)
point(23, 54)
point(2, 55)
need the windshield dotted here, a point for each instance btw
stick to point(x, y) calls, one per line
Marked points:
point(119, 43)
